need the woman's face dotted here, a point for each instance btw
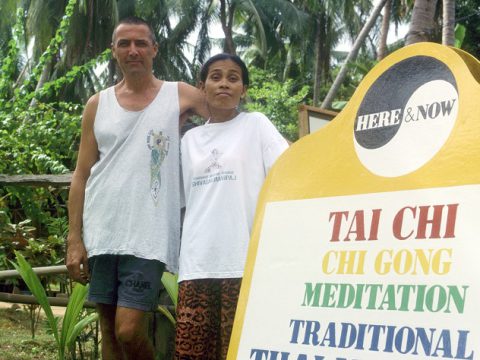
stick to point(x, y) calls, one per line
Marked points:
point(223, 86)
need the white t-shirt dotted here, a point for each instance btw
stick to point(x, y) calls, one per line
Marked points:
point(224, 166)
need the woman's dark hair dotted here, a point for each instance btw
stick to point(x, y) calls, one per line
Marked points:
point(224, 56)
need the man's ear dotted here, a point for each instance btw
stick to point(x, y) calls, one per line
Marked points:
point(112, 48)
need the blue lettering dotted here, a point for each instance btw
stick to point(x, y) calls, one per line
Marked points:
point(296, 329)
point(347, 336)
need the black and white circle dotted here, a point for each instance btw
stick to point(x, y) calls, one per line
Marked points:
point(406, 116)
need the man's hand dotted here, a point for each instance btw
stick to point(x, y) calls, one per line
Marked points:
point(77, 260)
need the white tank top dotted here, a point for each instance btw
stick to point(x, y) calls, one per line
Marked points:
point(132, 201)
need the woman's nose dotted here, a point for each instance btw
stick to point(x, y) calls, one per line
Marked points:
point(224, 83)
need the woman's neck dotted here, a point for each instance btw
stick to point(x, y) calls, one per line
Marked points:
point(218, 116)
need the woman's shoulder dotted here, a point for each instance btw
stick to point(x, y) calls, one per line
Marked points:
point(254, 115)
point(257, 119)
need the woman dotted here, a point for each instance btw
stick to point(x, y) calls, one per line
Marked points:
point(224, 164)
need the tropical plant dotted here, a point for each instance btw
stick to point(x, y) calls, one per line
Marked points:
point(73, 323)
point(468, 19)
point(165, 325)
point(170, 283)
point(277, 100)
point(37, 135)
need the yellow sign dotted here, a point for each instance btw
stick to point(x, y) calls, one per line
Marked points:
point(365, 239)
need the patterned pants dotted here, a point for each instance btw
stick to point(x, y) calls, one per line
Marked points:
point(205, 314)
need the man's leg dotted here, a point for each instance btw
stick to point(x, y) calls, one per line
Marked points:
point(138, 291)
point(103, 291)
point(131, 331)
point(111, 349)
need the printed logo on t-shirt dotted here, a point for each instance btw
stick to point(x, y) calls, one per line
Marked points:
point(214, 171)
point(214, 165)
point(158, 145)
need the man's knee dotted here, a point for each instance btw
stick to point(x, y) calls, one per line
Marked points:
point(130, 333)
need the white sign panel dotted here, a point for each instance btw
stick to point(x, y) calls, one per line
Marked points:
point(372, 276)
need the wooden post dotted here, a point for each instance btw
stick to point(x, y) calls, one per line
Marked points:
point(311, 118)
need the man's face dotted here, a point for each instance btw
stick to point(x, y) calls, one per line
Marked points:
point(134, 49)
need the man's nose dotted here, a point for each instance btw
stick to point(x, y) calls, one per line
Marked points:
point(132, 49)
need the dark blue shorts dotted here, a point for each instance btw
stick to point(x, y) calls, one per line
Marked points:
point(125, 280)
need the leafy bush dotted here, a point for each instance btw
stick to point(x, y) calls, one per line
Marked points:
point(40, 251)
point(278, 101)
point(38, 135)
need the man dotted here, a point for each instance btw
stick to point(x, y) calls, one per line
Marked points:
point(124, 205)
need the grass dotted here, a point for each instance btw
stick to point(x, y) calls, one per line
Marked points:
point(16, 341)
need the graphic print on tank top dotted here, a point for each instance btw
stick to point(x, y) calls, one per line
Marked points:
point(158, 145)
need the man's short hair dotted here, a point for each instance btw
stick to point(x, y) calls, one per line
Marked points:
point(134, 20)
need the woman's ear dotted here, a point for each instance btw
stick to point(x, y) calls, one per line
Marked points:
point(201, 86)
point(244, 92)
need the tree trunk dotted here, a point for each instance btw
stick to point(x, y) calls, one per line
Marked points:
point(317, 80)
point(327, 102)
point(44, 77)
point(421, 26)
point(448, 27)
point(382, 44)
point(227, 25)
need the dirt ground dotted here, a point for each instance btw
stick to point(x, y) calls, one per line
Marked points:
point(57, 310)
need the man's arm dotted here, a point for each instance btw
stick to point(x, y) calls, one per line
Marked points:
point(87, 157)
point(191, 101)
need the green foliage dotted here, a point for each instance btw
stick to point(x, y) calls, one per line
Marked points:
point(277, 100)
point(51, 50)
point(72, 323)
point(20, 238)
point(40, 139)
point(467, 16)
point(459, 35)
point(38, 136)
point(170, 283)
point(8, 65)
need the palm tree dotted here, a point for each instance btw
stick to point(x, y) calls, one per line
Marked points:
point(284, 26)
point(422, 23)
point(236, 12)
point(89, 34)
point(332, 20)
point(395, 12)
point(382, 45)
point(227, 12)
point(8, 10)
point(352, 55)
point(448, 26)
